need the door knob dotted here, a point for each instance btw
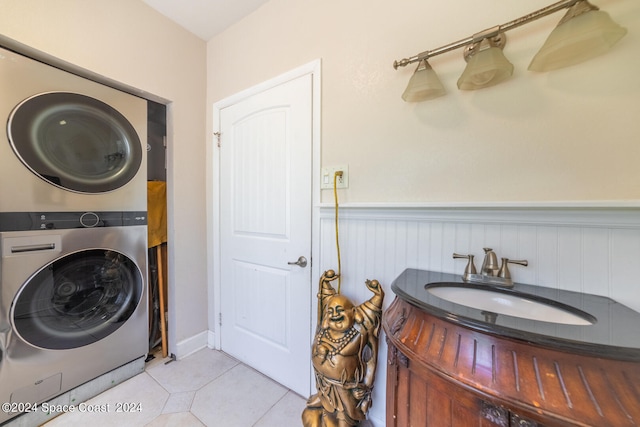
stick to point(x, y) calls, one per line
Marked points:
point(301, 262)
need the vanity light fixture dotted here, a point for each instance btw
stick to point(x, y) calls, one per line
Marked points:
point(583, 33)
point(486, 64)
point(424, 84)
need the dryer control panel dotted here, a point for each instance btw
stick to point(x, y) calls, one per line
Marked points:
point(23, 221)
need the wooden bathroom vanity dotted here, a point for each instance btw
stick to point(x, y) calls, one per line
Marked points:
point(452, 365)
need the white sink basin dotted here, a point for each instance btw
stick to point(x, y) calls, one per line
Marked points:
point(511, 304)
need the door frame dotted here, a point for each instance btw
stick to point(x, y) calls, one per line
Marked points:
point(213, 239)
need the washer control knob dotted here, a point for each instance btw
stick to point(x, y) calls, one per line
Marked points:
point(89, 219)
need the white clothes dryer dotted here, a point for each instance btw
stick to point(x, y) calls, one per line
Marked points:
point(70, 144)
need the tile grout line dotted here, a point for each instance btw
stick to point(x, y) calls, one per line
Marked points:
point(272, 406)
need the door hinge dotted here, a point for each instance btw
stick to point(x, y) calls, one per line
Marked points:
point(217, 135)
point(220, 319)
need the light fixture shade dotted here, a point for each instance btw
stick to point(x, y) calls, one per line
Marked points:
point(423, 85)
point(577, 39)
point(485, 68)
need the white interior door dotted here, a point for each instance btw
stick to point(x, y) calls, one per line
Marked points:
point(265, 225)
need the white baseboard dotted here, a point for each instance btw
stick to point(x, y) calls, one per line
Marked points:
point(192, 344)
point(211, 340)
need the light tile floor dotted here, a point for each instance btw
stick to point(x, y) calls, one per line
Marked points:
point(207, 388)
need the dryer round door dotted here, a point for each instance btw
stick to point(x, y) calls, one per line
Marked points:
point(75, 142)
point(77, 299)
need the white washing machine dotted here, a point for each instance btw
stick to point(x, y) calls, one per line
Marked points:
point(70, 144)
point(73, 300)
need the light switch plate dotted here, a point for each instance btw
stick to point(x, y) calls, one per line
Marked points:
point(327, 174)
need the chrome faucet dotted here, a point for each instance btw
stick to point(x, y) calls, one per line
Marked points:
point(490, 273)
point(490, 264)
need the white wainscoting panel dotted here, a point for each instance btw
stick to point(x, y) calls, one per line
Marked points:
point(596, 251)
point(592, 250)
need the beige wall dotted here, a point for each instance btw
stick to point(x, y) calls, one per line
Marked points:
point(130, 43)
point(570, 135)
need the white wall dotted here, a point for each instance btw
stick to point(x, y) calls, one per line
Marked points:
point(567, 135)
point(130, 43)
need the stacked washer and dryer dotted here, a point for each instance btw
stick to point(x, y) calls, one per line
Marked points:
point(73, 235)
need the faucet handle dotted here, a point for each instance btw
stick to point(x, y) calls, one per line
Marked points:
point(470, 268)
point(504, 269)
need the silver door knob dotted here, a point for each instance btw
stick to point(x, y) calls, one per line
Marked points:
point(301, 262)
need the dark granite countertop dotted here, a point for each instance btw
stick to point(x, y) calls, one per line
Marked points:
point(615, 333)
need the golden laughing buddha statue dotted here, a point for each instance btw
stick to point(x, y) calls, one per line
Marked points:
point(344, 356)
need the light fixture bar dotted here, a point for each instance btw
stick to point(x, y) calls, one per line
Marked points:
point(490, 32)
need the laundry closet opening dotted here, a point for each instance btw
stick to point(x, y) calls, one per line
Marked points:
point(157, 225)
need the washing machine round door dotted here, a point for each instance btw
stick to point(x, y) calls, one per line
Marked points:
point(75, 142)
point(78, 299)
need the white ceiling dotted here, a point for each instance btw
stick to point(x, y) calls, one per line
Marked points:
point(205, 18)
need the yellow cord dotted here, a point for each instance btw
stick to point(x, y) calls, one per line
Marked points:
point(335, 196)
